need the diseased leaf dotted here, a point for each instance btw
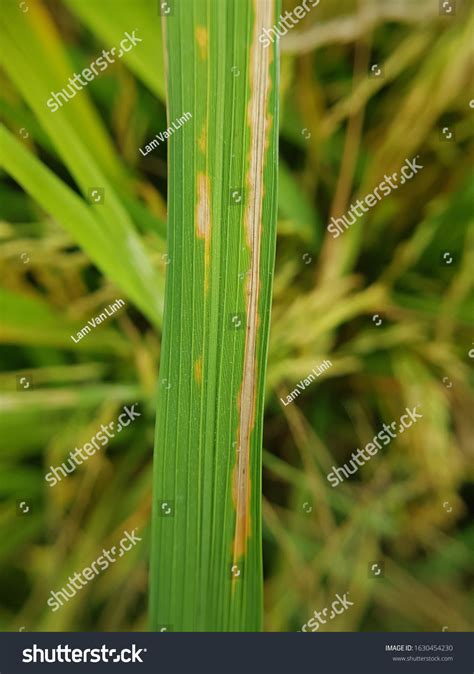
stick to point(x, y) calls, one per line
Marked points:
point(206, 569)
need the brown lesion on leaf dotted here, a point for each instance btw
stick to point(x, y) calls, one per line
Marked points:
point(202, 39)
point(260, 125)
point(202, 140)
point(203, 218)
point(198, 370)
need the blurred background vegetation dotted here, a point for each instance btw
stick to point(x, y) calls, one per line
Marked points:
point(63, 260)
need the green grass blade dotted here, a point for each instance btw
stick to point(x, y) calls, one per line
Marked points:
point(300, 218)
point(124, 260)
point(34, 78)
point(29, 320)
point(217, 307)
point(36, 61)
point(110, 19)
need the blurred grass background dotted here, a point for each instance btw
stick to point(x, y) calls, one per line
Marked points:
point(63, 260)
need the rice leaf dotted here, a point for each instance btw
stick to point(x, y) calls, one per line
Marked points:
point(206, 567)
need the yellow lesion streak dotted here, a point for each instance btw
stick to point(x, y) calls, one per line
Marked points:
point(201, 38)
point(203, 220)
point(260, 124)
point(198, 371)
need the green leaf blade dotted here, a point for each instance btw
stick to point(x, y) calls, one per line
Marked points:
point(206, 571)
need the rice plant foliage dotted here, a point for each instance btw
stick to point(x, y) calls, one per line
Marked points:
point(206, 569)
point(389, 303)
